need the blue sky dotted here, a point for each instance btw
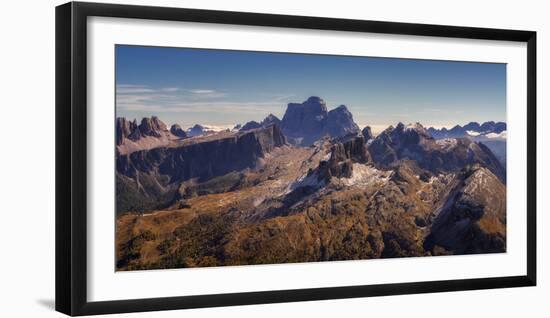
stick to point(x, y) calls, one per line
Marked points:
point(222, 88)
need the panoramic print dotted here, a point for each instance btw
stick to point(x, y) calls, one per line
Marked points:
point(242, 158)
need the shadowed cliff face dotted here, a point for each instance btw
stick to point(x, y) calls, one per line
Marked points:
point(340, 122)
point(309, 121)
point(305, 120)
point(159, 170)
point(203, 160)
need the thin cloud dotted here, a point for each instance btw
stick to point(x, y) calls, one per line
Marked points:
point(202, 91)
point(250, 108)
point(133, 89)
point(206, 93)
point(141, 98)
point(170, 89)
point(130, 86)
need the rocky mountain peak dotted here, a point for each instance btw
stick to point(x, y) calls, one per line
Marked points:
point(152, 126)
point(268, 121)
point(367, 133)
point(488, 125)
point(472, 129)
point(250, 125)
point(316, 102)
point(177, 131)
point(271, 120)
point(126, 129)
point(343, 153)
point(340, 122)
point(306, 122)
point(473, 219)
point(306, 116)
point(410, 134)
point(472, 126)
point(492, 127)
point(351, 147)
point(196, 130)
point(122, 129)
point(149, 133)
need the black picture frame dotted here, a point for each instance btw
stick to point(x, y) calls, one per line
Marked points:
point(71, 157)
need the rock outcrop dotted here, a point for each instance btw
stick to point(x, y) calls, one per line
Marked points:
point(268, 121)
point(124, 128)
point(250, 125)
point(343, 153)
point(176, 130)
point(367, 133)
point(340, 122)
point(196, 130)
point(153, 127)
point(149, 127)
point(150, 133)
point(271, 120)
point(304, 123)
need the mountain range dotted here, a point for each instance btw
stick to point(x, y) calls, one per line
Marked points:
point(491, 134)
point(489, 129)
point(311, 186)
point(304, 123)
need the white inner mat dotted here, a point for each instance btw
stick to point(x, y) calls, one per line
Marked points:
point(106, 284)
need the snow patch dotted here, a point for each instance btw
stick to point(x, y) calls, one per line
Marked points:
point(258, 201)
point(311, 180)
point(365, 175)
point(477, 182)
point(493, 135)
point(446, 143)
point(217, 128)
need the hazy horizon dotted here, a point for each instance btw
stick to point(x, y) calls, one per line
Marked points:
point(224, 88)
point(374, 128)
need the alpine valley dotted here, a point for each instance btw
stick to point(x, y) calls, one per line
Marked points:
point(311, 186)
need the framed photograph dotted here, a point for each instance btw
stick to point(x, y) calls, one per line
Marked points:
point(209, 158)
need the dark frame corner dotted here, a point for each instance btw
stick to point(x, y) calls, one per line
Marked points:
point(70, 82)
